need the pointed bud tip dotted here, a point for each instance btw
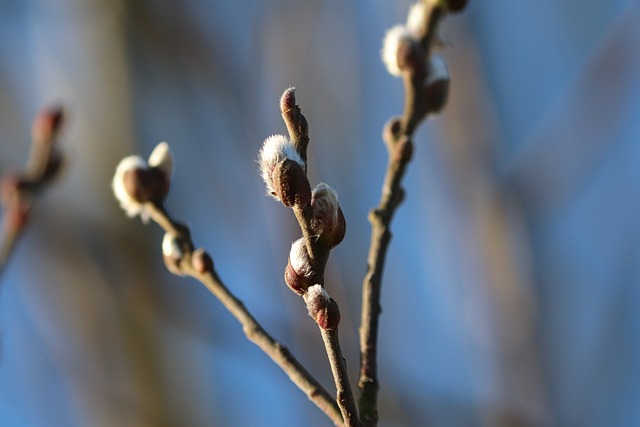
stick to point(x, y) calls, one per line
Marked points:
point(288, 99)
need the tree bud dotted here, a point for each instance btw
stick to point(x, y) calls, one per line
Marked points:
point(201, 261)
point(393, 40)
point(299, 268)
point(322, 308)
point(275, 150)
point(327, 222)
point(436, 87)
point(291, 184)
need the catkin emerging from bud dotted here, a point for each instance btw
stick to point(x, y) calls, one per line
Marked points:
point(285, 181)
point(394, 40)
point(136, 182)
point(327, 222)
point(299, 269)
point(322, 308)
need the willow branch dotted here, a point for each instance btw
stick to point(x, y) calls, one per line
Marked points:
point(197, 264)
point(19, 189)
point(426, 83)
point(344, 394)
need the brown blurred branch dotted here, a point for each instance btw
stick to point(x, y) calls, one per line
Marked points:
point(426, 84)
point(18, 189)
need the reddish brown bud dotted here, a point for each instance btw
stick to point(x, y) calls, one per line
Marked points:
point(296, 282)
point(291, 184)
point(47, 123)
point(329, 316)
point(288, 99)
point(297, 274)
point(339, 230)
point(436, 87)
point(201, 261)
point(145, 185)
point(410, 57)
point(322, 308)
point(392, 129)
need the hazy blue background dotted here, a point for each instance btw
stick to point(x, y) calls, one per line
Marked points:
point(511, 294)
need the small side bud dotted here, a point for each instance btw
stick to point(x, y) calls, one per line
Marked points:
point(392, 129)
point(326, 215)
point(291, 184)
point(322, 308)
point(172, 253)
point(47, 124)
point(436, 87)
point(393, 40)
point(299, 268)
point(201, 261)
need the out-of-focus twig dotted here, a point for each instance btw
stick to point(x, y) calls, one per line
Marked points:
point(407, 54)
point(18, 189)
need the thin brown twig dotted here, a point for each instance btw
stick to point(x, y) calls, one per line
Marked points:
point(19, 189)
point(319, 255)
point(398, 140)
point(250, 326)
point(344, 394)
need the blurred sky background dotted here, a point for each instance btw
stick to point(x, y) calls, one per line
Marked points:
point(511, 293)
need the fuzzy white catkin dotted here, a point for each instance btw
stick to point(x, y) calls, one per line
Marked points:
point(170, 247)
point(162, 159)
point(314, 298)
point(275, 149)
point(130, 206)
point(392, 41)
point(300, 258)
point(415, 18)
point(325, 208)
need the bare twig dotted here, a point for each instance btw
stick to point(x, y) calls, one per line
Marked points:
point(344, 394)
point(19, 189)
point(426, 86)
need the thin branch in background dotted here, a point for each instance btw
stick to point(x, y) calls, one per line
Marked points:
point(406, 53)
point(283, 166)
point(18, 189)
point(141, 188)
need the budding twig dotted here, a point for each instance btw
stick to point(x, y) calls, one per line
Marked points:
point(323, 226)
point(141, 188)
point(406, 53)
point(19, 189)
